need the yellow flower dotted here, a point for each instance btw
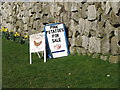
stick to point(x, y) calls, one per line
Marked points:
point(0, 30)
point(5, 29)
point(26, 36)
point(16, 34)
point(12, 31)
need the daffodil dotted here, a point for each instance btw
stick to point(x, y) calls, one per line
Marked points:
point(26, 36)
point(5, 29)
point(16, 34)
point(2, 29)
point(12, 31)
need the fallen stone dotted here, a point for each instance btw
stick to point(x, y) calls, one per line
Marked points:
point(104, 57)
point(113, 59)
point(96, 56)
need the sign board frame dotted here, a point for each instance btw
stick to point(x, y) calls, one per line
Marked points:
point(48, 48)
point(35, 50)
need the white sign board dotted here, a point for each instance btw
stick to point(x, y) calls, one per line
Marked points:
point(37, 44)
point(56, 40)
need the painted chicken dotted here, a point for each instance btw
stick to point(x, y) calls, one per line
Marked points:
point(37, 43)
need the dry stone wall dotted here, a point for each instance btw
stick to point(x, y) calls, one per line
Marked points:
point(93, 28)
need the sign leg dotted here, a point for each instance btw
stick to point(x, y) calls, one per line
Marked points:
point(38, 54)
point(30, 58)
point(44, 55)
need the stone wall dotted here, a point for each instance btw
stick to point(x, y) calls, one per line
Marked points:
point(93, 27)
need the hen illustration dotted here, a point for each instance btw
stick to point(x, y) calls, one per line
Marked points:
point(37, 43)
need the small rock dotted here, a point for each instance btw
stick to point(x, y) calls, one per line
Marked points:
point(113, 59)
point(103, 57)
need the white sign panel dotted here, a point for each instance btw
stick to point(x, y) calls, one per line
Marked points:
point(37, 42)
point(57, 40)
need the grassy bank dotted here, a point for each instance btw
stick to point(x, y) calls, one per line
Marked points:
point(65, 72)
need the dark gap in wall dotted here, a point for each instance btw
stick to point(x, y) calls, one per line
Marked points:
point(109, 10)
point(104, 24)
point(89, 35)
point(37, 18)
point(84, 1)
point(100, 37)
point(33, 12)
point(116, 25)
point(31, 15)
point(76, 21)
point(92, 20)
point(45, 23)
point(77, 33)
point(40, 11)
point(112, 34)
point(118, 12)
point(99, 18)
point(34, 28)
point(45, 14)
point(75, 11)
point(119, 43)
point(104, 2)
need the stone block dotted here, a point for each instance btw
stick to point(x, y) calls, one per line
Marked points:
point(74, 7)
point(114, 45)
point(94, 45)
point(72, 50)
point(115, 6)
point(91, 16)
point(78, 41)
point(84, 11)
point(105, 45)
point(107, 10)
point(103, 57)
point(114, 19)
point(85, 42)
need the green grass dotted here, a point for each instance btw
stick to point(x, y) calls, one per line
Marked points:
point(86, 72)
